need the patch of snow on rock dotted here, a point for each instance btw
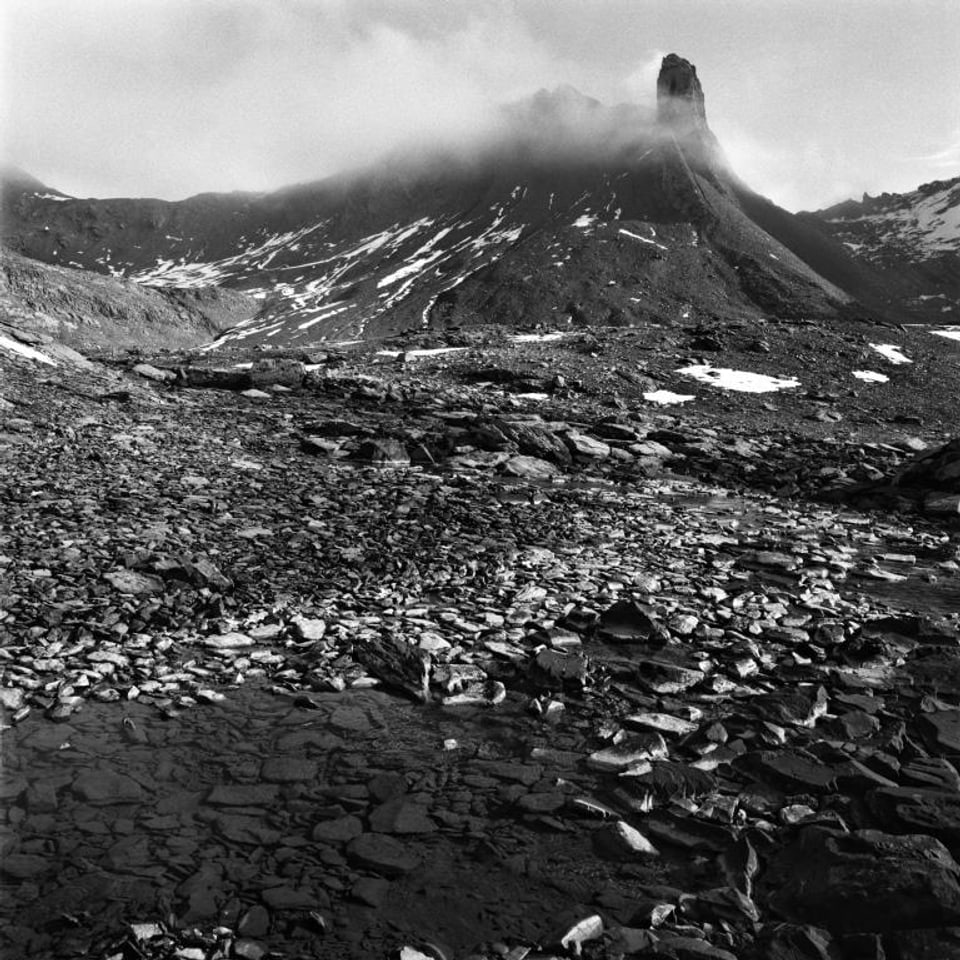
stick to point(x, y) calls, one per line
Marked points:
point(636, 236)
point(891, 352)
point(871, 376)
point(537, 337)
point(8, 343)
point(410, 354)
point(667, 397)
point(741, 381)
point(951, 333)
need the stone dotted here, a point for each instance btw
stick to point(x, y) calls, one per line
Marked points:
point(535, 440)
point(720, 904)
point(590, 928)
point(290, 898)
point(341, 830)
point(584, 447)
point(249, 949)
point(864, 881)
point(383, 452)
point(246, 830)
point(103, 787)
point(799, 707)
point(226, 641)
point(531, 468)
point(630, 622)
point(243, 795)
point(382, 854)
point(11, 698)
point(541, 802)
point(688, 833)
point(793, 769)
point(791, 941)
point(553, 670)
point(931, 772)
point(669, 780)
point(277, 371)
point(288, 770)
point(631, 750)
point(149, 372)
point(370, 890)
point(690, 948)
point(942, 730)
point(620, 841)
point(24, 866)
point(255, 922)
point(665, 677)
point(309, 628)
point(663, 722)
point(401, 815)
point(12, 787)
point(129, 581)
point(919, 810)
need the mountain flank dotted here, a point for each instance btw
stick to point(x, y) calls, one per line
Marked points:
point(575, 213)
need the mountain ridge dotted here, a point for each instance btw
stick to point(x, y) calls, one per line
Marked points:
point(647, 224)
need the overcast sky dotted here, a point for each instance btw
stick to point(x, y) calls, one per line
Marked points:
point(812, 100)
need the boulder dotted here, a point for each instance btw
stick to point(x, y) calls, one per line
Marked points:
point(535, 440)
point(864, 881)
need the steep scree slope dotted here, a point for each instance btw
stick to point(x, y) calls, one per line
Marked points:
point(913, 237)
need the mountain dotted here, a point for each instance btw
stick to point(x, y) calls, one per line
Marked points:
point(571, 212)
point(913, 236)
point(90, 312)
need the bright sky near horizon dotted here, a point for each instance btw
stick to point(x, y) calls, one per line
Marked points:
point(813, 101)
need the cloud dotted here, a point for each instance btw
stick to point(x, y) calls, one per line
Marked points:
point(223, 94)
point(946, 158)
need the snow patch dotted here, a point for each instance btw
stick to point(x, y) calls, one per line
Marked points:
point(537, 337)
point(15, 346)
point(740, 381)
point(951, 333)
point(636, 236)
point(871, 376)
point(891, 352)
point(413, 354)
point(666, 397)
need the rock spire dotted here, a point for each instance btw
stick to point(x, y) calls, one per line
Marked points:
point(679, 95)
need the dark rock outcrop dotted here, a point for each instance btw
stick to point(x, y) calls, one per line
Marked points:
point(680, 101)
point(865, 881)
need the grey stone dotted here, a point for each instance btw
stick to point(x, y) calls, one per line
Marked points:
point(105, 787)
point(24, 866)
point(243, 795)
point(340, 830)
point(865, 881)
point(382, 854)
point(288, 770)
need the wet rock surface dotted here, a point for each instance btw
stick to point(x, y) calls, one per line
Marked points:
point(392, 660)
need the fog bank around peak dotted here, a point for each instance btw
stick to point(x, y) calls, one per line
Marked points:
point(172, 98)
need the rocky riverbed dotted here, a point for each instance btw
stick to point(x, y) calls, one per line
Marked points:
point(428, 658)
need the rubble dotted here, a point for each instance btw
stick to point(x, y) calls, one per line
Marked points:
point(262, 695)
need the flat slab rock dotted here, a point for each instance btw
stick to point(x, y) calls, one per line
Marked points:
point(382, 854)
point(865, 881)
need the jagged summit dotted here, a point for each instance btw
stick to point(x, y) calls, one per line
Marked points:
point(680, 95)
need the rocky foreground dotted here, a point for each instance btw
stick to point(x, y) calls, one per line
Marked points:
point(378, 656)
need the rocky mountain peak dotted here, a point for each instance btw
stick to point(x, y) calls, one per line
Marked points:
point(679, 95)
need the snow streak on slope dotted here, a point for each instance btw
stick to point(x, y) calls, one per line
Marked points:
point(922, 224)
